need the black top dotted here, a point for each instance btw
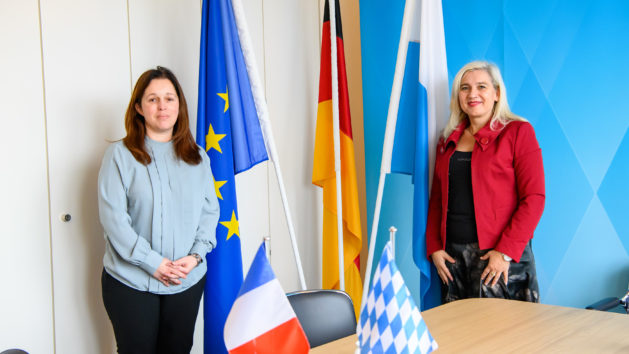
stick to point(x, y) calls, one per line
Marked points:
point(460, 222)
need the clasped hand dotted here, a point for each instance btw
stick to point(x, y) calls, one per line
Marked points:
point(496, 267)
point(170, 272)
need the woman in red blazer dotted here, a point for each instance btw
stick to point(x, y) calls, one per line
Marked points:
point(487, 193)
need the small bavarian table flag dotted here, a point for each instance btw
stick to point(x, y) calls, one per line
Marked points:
point(390, 321)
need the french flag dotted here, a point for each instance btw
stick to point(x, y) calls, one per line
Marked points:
point(261, 319)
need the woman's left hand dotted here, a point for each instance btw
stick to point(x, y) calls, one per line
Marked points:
point(186, 264)
point(496, 268)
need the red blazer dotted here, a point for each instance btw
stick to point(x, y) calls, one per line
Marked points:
point(507, 184)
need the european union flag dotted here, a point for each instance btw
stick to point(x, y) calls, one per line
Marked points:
point(229, 130)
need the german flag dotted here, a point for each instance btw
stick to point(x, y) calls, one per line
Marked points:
point(323, 174)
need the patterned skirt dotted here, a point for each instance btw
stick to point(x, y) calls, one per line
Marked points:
point(467, 270)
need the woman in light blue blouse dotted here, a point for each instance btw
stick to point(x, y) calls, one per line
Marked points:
point(159, 211)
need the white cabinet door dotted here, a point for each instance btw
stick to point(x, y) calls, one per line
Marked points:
point(26, 298)
point(87, 82)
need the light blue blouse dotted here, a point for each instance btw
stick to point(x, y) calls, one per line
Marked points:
point(166, 209)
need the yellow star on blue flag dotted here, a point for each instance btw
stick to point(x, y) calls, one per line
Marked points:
point(232, 226)
point(212, 140)
point(217, 188)
point(225, 97)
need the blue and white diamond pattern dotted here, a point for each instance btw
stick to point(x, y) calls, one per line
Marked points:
point(390, 321)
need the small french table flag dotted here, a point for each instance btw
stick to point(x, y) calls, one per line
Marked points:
point(261, 319)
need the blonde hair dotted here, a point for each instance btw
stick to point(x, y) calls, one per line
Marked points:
point(502, 114)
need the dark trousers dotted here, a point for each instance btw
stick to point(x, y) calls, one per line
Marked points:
point(146, 323)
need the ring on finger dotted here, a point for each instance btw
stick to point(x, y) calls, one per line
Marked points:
point(493, 274)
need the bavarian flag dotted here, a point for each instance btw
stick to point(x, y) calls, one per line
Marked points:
point(323, 174)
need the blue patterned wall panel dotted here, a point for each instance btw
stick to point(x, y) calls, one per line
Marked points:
point(565, 68)
point(568, 195)
point(564, 65)
point(594, 265)
point(614, 192)
point(589, 86)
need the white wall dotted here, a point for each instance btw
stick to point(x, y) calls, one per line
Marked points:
point(69, 69)
point(292, 85)
point(26, 295)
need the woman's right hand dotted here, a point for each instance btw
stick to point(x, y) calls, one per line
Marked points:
point(439, 258)
point(168, 273)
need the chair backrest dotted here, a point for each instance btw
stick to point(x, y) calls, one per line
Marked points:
point(325, 315)
point(13, 351)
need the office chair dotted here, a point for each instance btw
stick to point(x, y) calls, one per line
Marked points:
point(612, 304)
point(325, 315)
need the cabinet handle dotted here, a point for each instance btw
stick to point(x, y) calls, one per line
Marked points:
point(66, 217)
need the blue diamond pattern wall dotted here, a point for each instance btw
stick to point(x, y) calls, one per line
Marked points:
point(565, 68)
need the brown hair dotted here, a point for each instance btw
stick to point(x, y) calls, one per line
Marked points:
point(185, 147)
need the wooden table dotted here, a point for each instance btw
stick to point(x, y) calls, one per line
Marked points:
point(504, 326)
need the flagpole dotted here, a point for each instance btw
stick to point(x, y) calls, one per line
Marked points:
point(372, 238)
point(337, 142)
point(392, 231)
point(263, 116)
point(387, 149)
